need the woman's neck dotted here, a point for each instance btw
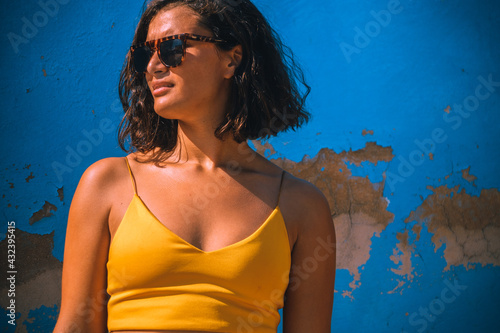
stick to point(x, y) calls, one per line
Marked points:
point(198, 145)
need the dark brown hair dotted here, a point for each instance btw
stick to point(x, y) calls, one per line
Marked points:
point(265, 97)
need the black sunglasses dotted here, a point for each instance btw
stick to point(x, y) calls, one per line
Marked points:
point(171, 50)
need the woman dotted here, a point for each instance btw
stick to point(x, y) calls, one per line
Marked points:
point(171, 238)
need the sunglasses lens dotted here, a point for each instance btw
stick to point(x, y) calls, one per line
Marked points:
point(171, 52)
point(141, 57)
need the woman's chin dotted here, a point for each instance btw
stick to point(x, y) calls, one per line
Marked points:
point(166, 110)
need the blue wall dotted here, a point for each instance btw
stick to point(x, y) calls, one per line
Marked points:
point(405, 96)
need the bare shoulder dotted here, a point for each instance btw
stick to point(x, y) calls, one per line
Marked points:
point(102, 183)
point(309, 296)
point(104, 174)
point(84, 276)
point(303, 198)
point(305, 208)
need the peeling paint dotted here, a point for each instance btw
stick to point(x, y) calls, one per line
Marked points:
point(358, 206)
point(42, 319)
point(60, 193)
point(469, 226)
point(468, 177)
point(29, 177)
point(371, 152)
point(366, 132)
point(46, 211)
point(265, 149)
point(402, 255)
point(38, 275)
point(398, 288)
point(417, 228)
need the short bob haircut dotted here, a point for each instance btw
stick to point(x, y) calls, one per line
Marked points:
point(265, 98)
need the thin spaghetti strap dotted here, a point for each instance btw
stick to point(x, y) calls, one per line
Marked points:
point(131, 175)
point(281, 185)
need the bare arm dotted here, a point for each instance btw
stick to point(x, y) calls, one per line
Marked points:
point(309, 297)
point(84, 297)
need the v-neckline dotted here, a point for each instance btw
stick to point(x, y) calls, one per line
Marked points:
point(240, 242)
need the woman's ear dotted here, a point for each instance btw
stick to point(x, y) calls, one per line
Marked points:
point(234, 57)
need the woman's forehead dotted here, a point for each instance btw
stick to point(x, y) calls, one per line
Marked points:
point(173, 21)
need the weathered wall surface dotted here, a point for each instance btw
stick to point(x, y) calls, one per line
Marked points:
point(403, 142)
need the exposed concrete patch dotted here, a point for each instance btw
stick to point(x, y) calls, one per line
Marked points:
point(417, 228)
point(38, 278)
point(60, 193)
point(30, 177)
point(402, 256)
point(366, 132)
point(372, 153)
point(46, 211)
point(358, 206)
point(468, 177)
point(469, 226)
point(43, 290)
point(398, 288)
point(264, 149)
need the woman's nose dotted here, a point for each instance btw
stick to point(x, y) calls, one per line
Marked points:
point(155, 66)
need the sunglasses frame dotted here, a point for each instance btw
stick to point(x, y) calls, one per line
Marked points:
point(154, 46)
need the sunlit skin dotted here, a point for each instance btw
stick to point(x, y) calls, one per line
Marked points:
point(196, 94)
point(201, 82)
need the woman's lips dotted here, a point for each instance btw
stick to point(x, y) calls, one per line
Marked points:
point(160, 89)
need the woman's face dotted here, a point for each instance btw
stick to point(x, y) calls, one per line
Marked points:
point(197, 89)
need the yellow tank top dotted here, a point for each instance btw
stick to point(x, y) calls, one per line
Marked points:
point(158, 281)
